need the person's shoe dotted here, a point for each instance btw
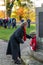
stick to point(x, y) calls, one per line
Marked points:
point(17, 62)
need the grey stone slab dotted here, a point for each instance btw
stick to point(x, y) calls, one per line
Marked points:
point(29, 60)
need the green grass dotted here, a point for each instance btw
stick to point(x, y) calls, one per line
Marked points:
point(6, 33)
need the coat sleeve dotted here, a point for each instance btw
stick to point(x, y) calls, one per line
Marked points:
point(18, 36)
point(20, 40)
point(28, 36)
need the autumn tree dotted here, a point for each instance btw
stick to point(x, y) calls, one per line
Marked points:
point(9, 6)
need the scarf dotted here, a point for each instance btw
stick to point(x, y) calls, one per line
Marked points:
point(24, 37)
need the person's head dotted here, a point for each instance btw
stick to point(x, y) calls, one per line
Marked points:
point(14, 19)
point(22, 20)
point(24, 24)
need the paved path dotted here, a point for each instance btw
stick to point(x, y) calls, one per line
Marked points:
point(7, 60)
point(4, 60)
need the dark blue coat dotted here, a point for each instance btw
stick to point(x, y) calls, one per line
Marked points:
point(14, 43)
point(29, 22)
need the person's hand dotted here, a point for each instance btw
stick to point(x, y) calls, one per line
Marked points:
point(30, 37)
point(23, 40)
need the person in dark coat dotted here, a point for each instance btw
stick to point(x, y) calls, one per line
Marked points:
point(9, 23)
point(14, 23)
point(28, 20)
point(1, 22)
point(19, 36)
point(4, 23)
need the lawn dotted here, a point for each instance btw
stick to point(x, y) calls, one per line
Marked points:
point(6, 33)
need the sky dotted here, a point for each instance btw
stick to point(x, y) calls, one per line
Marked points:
point(2, 7)
point(37, 3)
point(1, 2)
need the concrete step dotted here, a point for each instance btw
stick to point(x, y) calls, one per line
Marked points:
point(30, 61)
point(38, 55)
point(30, 57)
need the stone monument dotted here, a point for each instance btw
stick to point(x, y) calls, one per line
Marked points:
point(35, 57)
point(39, 27)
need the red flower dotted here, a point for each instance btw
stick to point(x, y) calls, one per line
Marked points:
point(33, 43)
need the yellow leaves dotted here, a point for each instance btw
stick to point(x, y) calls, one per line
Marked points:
point(20, 11)
point(24, 12)
point(13, 14)
point(15, 3)
point(2, 14)
point(25, 15)
point(32, 16)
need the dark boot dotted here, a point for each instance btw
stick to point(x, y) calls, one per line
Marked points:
point(17, 62)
